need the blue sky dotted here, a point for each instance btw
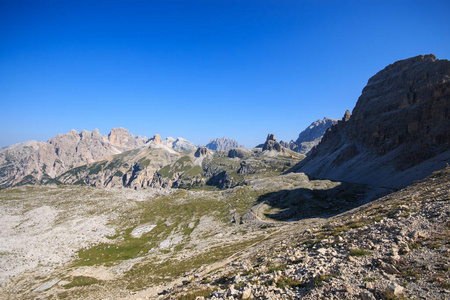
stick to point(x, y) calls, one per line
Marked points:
point(200, 69)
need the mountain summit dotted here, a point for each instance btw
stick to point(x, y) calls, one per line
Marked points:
point(221, 144)
point(310, 137)
point(398, 132)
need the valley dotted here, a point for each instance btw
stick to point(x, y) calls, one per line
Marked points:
point(362, 214)
point(72, 240)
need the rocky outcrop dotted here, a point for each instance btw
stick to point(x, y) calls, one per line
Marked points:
point(157, 139)
point(201, 151)
point(239, 153)
point(222, 180)
point(398, 132)
point(291, 145)
point(133, 169)
point(221, 144)
point(310, 137)
point(121, 138)
point(272, 144)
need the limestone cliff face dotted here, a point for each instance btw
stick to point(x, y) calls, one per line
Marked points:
point(39, 162)
point(398, 132)
point(120, 137)
point(133, 168)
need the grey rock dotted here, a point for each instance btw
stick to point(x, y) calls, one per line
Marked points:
point(272, 144)
point(366, 295)
point(247, 293)
point(221, 144)
point(237, 153)
point(201, 151)
point(183, 145)
point(311, 136)
point(398, 132)
point(394, 288)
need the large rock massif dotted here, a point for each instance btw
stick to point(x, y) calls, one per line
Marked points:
point(122, 160)
point(224, 143)
point(118, 158)
point(40, 162)
point(399, 130)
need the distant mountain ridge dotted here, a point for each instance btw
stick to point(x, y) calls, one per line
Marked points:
point(41, 162)
point(120, 159)
point(310, 137)
point(398, 132)
point(221, 144)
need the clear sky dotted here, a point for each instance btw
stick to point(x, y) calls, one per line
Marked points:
point(200, 69)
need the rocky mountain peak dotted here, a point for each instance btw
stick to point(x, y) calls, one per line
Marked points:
point(120, 137)
point(311, 136)
point(221, 144)
point(272, 144)
point(398, 132)
point(347, 116)
point(157, 139)
point(183, 145)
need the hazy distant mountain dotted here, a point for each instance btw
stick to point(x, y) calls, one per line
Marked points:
point(224, 143)
point(399, 130)
point(310, 137)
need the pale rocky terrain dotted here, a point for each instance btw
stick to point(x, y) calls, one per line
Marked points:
point(397, 247)
point(88, 243)
point(73, 242)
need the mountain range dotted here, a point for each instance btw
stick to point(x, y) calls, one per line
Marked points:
point(119, 158)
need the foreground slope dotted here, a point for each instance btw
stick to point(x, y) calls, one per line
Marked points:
point(396, 247)
point(399, 130)
point(80, 242)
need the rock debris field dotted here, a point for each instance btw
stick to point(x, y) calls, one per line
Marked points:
point(396, 247)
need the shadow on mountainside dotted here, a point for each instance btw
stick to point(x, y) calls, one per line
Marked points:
point(302, 203)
